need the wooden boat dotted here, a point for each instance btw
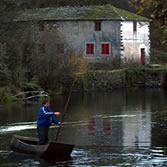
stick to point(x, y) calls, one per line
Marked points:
point(53, 150)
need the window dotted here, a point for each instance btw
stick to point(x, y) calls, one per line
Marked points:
point(89, 48)
point(97, 25)
point(105, 47)
point(60, 48)
point(41, 48)
point(134, 26)
point(41, 27)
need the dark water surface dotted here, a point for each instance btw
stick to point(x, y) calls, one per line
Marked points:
point(119, 128)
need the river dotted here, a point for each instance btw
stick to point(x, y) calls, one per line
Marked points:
point(114, 129)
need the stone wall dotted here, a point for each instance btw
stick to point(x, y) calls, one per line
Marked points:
point(106, 80)
point(126, 78)
point(145, 78)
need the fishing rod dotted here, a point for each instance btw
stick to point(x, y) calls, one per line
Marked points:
point(64, 112)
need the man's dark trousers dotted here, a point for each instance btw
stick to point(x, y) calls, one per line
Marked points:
point(42, 135)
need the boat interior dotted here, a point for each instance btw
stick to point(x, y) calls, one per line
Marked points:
point(32, 142)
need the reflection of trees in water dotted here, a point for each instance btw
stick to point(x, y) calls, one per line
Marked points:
point(14, 113)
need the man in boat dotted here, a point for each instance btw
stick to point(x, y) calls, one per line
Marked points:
point(45, 118)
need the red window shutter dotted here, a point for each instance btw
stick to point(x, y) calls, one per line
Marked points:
point(89, 48)
point(41, 27)
point(97, 25)
point(60, 48)
point(105, 48)
point(134, 26)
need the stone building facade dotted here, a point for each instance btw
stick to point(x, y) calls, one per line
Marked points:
point(99, 33)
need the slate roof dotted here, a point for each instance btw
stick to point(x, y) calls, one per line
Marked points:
point(103, 12)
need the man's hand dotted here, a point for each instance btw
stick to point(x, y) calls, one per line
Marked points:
point(59, 123)
point(57, 113)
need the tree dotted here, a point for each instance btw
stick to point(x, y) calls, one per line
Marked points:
point(6, 28)
point(157, 10)
point(56, 71)
point(15, 44)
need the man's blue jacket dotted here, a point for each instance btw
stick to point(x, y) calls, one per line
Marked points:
point(46, 117)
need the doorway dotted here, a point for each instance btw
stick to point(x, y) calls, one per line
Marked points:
point(142, 58)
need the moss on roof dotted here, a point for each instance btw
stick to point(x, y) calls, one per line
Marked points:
point(103, 12)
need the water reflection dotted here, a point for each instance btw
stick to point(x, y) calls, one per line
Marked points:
point(15, 128)
point(119, 128)
point(137, 130)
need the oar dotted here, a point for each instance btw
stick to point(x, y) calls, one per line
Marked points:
point(65, 109)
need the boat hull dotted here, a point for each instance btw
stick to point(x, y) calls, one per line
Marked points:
point(53, 150)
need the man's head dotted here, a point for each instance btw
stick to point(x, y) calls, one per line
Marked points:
point(46, 103)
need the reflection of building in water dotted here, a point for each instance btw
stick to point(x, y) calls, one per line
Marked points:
point(107, 127)
point(91, 127)
point(132, 128)
point(137, 129)
point(117, 119)
point(102, 131)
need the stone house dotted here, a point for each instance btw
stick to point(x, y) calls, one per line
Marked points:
point(96, 32)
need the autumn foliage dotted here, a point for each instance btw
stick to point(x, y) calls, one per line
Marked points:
point(158, 9)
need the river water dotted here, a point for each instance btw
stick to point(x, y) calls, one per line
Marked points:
point(118, 128)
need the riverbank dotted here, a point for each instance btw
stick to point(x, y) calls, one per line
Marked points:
point(148, 77)
point(11, 93)
point(102, 80)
